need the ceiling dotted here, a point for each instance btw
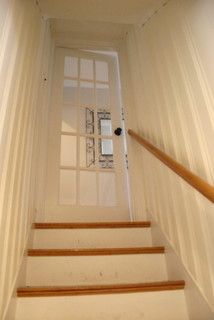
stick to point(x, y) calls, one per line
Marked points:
point(95, 31)
point(113, 11)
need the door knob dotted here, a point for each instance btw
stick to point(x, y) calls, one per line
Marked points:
point(118, 131)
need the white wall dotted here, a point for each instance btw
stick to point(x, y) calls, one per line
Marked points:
point(24, 52)
point(171, 74)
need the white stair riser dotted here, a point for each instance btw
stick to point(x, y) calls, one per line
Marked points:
point(165, 305)
point(91, 238)
point(84, 270)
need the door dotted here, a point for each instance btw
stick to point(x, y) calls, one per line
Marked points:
point(86, 175)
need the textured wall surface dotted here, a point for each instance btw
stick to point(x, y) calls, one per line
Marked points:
point(170, 70)
point(25, 44)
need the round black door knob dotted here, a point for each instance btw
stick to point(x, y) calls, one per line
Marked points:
point(118, 131)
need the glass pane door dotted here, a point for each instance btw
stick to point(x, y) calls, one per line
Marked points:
point(87, 148)
point(86, 163)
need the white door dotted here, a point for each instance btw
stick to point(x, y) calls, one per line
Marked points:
point(86, 178)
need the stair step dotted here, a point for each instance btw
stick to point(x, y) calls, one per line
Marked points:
point(94, 252)
point(153, 305)
point(95, 270)
point(92, 225)
point(107, 270)
point(92, 238)
point(101, 289)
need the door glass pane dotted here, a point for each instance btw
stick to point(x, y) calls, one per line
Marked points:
point(106, 154)
point(71, 67)
point(87, 97)
point(70, 92)
point(69, 118)
point(107, 189)
point(68, 150)
point(105, 127)
point(87, 152)
point(86, 69)
point(101, 71)
point(102, 95)
point(67, 190)
point(86, 119)
point(88, 188)
point(106, 147)
point(104, 122)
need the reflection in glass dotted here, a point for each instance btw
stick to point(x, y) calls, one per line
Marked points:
point(105, 127)
point(106, 147)
point(86, 120)
point(87, 152)
point(104, 122)
point(106, 153)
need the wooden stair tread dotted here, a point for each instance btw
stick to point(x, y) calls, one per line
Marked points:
point(100, 289)
point(95, 252)
point(92, 225)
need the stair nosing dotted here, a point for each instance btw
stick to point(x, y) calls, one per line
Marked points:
point(96, 251)
point(100, 289)
point(92, 225)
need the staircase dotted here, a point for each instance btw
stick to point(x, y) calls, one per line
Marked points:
point(88, 271)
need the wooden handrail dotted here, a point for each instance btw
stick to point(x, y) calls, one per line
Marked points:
point(196, 182)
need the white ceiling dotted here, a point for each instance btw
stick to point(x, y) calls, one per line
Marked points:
point(114, 11)
point(95, 31)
